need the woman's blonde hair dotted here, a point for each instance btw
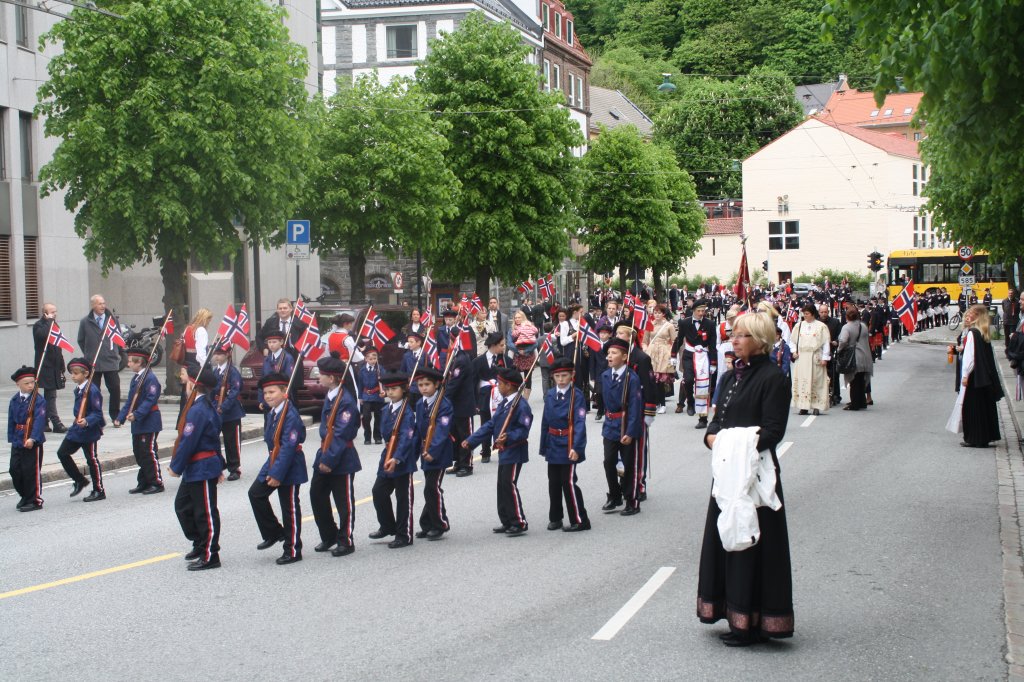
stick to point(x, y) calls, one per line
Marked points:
point(201, 319)
point(766, 307)
point(980, 320)
point(760, 326)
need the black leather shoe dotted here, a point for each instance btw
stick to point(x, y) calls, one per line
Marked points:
point(515, 530)
point(153, 490)
point(31, 506)
point(451, 470)
point(610, 505)
point(554, 525)
point(203, 564)
point(342, 550)
point(137, 489)
point(234, 475)
point(399, 542)
point(817, 412)
point(499, 529)
point(288, 559)
point(324, 546)
point(690, 411)
point(378, 534)
point(462, 473)
point(21, 503)
point(47, 429)
point(702, 423)
point(79, 487)
point(378, 441)
point(420, 534)
point(577, 527)
point(366, 441)
point(642, 497)
point(193, 555)
point(267, 544)
point(59, 428)
point(629, 511)
point(485, 459)
point(803, 411)
point(95, 496)
point(435, 534)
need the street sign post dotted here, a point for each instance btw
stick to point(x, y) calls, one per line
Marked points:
point(967, 280)
point(297, 234)
point(966, 252)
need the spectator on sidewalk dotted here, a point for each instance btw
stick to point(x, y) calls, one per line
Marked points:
point(108, 361)
point(51, 371)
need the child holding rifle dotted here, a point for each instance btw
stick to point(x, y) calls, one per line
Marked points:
point(225, 398)
point(26, 420)
point(563, 445)
point(85, 432)
point(397, 463)
point(142, 409)
point(622, 428)
point(433, 440)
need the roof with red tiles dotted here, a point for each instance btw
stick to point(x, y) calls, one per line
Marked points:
point(715, 227)
point(857, 107)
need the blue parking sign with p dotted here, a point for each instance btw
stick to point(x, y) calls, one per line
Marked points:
point(297, 232)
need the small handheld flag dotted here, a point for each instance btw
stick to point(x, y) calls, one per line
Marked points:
point(113, 332)
point(58, 339)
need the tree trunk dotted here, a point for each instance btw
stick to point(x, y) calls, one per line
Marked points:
point(357, 273)
point(483, 282)
point(659, 290)
point(173, 274)
point(623, 283)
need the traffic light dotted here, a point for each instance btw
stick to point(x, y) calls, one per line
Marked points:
point(875, 261)
point(764, 265)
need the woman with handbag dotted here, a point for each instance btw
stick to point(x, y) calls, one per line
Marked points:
point(853, 359)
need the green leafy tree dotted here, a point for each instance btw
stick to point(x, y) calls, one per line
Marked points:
point(634, 205)
point(624, 68)
point(510, 146)
point(713, 125)
point(967, 60)
point(174, 123)
point(379, 181)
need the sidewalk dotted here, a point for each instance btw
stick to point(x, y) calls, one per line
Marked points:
point(115, 447)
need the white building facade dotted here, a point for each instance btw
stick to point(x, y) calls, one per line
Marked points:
point(826, 195)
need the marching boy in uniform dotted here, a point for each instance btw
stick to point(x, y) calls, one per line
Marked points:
point(276, 361)
point(561, 455)
point(616, 443)
point(197, 460)
point(436, 453)
point(26, 439)
point(369, 394)
point(394, 476)
point(84, 433)
point(146, 423)
point(284, 472)
point(225, 397)
point(513, 449)
point(336, 462)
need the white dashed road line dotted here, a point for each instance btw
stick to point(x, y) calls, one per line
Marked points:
point(635, 603)
point(784, 448)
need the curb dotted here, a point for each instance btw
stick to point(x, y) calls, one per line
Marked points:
point(115, 460)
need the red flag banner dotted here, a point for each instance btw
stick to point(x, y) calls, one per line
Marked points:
point(58, 339)
point(906, 307)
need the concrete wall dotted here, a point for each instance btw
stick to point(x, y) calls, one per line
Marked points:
point(718, 257)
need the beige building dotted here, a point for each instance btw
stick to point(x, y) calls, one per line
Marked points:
point(825, 195)
point(719, 254)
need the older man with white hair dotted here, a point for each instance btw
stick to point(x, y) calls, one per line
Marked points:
point(108, 361)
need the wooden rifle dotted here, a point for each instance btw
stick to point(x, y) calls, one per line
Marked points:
point(92, 375)
point(572, 390)
point(326, 442)
point(189, 401)
point(145, 372)
point(625, 380)
point(276, 450)
point(432, 424)
point(30, 418)
point(515, 402)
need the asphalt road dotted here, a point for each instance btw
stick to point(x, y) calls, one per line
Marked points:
point(895, 545)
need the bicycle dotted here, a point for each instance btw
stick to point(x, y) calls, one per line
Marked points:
point(954, 321)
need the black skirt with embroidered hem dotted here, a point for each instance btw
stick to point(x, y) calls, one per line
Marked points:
point(752, 589)
point(980, 416)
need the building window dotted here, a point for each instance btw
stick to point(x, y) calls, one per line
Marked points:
point(32, 310)
point(21, 25)
point(401, 42)
point(579, 93)
point(783, 235)
point(547, 74)
point(572, 89)
point(544, 16)
point(712, 247)
point(888, 112)
point(917, 137)
point(6, 292)
point(874, 114)
point(25, 124)
point(914, 183)
point(3, 143)
point(558, 25)
point(924, 175)
point(568, 31)
point(907, 111)
point(557, 77)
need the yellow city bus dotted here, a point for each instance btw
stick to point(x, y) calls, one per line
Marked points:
point(940, 269)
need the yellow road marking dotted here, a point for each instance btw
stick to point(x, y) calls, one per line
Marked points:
point(87, 576)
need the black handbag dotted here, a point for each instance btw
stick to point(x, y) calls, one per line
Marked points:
point(846, 359)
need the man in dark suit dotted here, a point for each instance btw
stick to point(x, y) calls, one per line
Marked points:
point(51, 374)
point(538, 314)
point(673, 298)
point(90, 333)
point(499, 318)
point(282, 322)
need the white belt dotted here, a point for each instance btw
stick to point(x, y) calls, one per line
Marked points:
point(694, 349)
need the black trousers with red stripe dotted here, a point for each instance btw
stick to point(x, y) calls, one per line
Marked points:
point(196, 508)
point(397, 522)
point(25, 466)
point(322, 487)
point(289, 528)
point(232, 432)
point(461, 428)
point(510, 503)
point(91, 451)
point(628, 489)
point(434, 515)
point(562, 484)
point(147, 456)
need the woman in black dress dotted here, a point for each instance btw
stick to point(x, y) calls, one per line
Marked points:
point(753, 588)
point(979, 383)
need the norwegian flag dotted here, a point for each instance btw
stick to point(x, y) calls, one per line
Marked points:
point(465, 340)
point(548, 348)
point(376, 329)
point(234, 328)
point(475, 304)
point(642, 319)
point(113, 332)
point(792, 316)
point(303, 313)
point(589, 336)
point(546, 287)
point(168, 328)
point(427, 318)
point(58, 339)
point(309, 342)
point(465, 307)
point(525, 286)
point(430, 350)
point(906, 307)
point(628, 304)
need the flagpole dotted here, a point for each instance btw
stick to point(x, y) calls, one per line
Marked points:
point(149, 363)
point(92, 372)
point(35, 387)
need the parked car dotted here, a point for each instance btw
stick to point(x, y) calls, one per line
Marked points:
point(310, 394)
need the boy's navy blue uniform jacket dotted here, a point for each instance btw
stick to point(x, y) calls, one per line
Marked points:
point(341, 456)
point(517, 446)
point(17, 415)
point(284, 364)
point(405, 453)
point(93, 417)
point(462, 384)
point(408, 363)
point(440, 446)
point(612, 392)
point(554, 427)
point(198, 457)
point(369, 384)
point(147, 409)
point(231, 409)
point(290, 466)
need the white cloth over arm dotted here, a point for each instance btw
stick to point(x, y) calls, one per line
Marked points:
point(202, 345)
point(734, 467)
point(955, 423)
